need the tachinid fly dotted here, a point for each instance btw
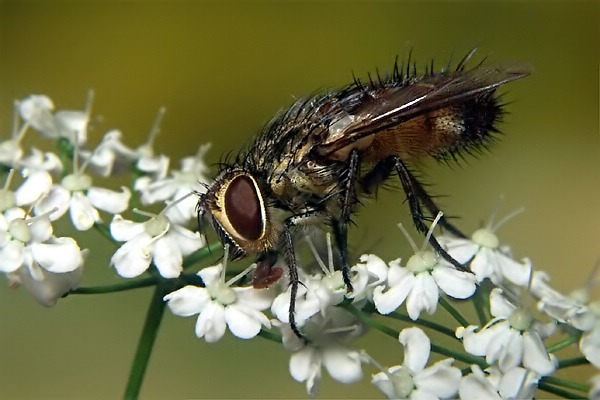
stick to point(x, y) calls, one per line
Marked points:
point(314, 161)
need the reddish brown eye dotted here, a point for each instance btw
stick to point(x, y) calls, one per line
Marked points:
point(242, 207)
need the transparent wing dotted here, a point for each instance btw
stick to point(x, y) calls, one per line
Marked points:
point(389, 106)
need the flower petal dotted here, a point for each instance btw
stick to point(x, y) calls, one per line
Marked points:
point(83, 214)
point(455, 283)
point(535, 356)
point(47, 288)
point(342, 363)
point(187, 301)
point(109, 200)
point(258, 299)
point(476, 386)
point(130, 260)
point(390, 300)
point(124, 229)
point(518, 383)
point(210, 274)
point(441, 379)
point(305, 365)
point(416, 348)
point(245, 322)
point(58, 256)
point(211, 322)
point(37, 184)
point(423, 296)
point(500, 307)
point(187, 240)
point(58, 197)
point(590, 346)
point(167, 257)
point(11, 256)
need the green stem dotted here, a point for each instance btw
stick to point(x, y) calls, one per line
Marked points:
point(465, 358)
point(454, 312)
point(424, 323)
point(572, 362)
point(273, 336)
point(566, 383)
point(559, 392)
point(468, 359)
point(562, 344)
point(479, 305)
point(119, 287)
point(147, 339)
point(370, 321)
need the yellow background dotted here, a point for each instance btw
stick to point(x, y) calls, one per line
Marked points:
point(222, 70)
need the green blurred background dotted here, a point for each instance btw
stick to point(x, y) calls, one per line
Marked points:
point(223, 69)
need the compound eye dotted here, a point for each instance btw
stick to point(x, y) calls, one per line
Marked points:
point(243, 207)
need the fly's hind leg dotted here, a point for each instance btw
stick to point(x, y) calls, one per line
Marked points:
point(415, 195)
point(375, 178)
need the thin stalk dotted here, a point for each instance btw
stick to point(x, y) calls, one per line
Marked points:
point(147, 339)
point(468, 359)
point(119, 287)
point(559, 392)
point(572, 362)
point(424, 323)
point(566, 383)
point(564, 343)
point(269, 335)
point(454, 312)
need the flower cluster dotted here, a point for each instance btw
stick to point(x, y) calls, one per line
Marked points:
point(510, 352)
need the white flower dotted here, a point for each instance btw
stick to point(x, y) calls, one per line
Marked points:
point(589, 344)
point(412, 380)
point(10, 150)
point(595, 389)
point(307, 303)
point(7, 196)
point(517, 383)
point(571, 309)
point(326, 346)
point(77, 195)
point(219, 305)
point(156, 240)
point(480, 385)
point(47, 266)
point(29, 242)
point(36, 110)
point(320, 291)
point(419, 282)
point(370, 272)
point(111, 157)
point(180, 182)
point(487, 258)
point(147, 161)
point(44, 286)
point(512, 338)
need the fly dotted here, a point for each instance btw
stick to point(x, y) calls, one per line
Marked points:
point(314, 161)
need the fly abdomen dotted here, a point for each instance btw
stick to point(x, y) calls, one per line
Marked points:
point(469, 127)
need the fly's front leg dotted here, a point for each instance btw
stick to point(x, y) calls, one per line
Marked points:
point(414, 195)
point(290, 258)
point(340, 227)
